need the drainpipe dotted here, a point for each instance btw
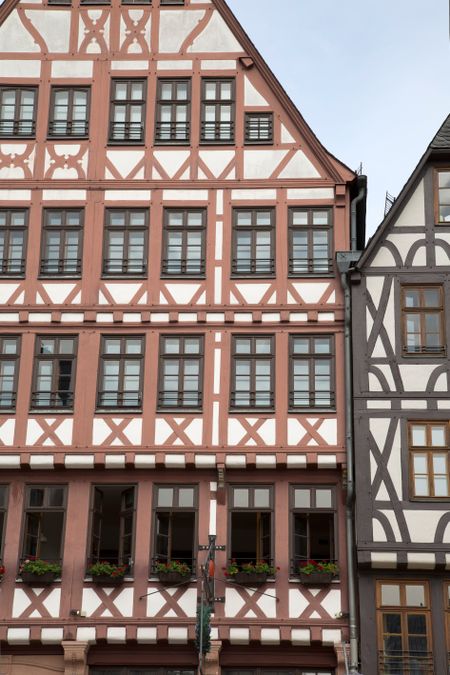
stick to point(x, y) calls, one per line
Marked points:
point(344, 262)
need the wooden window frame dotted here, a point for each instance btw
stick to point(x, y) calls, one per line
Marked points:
point(301, 670)
point(429, 450)
point(312, 357)
point(18, 121)
point(43, 509)
point(251, 508)
point(437, 204)
point(91, 559)
point(121, 357)
point(127, 103)
point(252, 356)
point(57, 356)
point(404, 610)
point(64, 230)
point(167, 3)
point(8, 228)
point(70, 123)
point(4, 511)
point(126, 228)
point(253, 228)
point(175, 508)
point(422, 311)
point(262, 119)
point(151, 670)
point(333, 510)
point(310, 228)
point(174, 103)
point(182, 357)
point(218, 102)
point(11, 357)
point(184, 229)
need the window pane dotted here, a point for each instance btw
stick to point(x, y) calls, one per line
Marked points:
point(390, 595)
point(415, 596)
point(302, 498)
point(324, 499)
point(419, 436)
point(438, 436)
point(186, 497)
point(165, 497)
point(241, 497)
point(262, 498)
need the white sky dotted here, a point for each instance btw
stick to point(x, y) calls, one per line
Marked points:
point(371, 77)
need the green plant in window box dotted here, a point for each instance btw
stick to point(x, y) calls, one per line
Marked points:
point(318, 571)
point(39, 572)
point(107, 573)
point(172, 572)
point(250, 573)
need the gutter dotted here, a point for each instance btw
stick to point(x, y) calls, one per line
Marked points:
point(345, 261)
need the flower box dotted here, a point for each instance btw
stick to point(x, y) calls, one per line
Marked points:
point(316, 578)
point(172, 578)
point(32, 579)
point(250, 578)
point(107, 580)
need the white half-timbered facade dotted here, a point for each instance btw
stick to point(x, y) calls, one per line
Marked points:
point(401, 333)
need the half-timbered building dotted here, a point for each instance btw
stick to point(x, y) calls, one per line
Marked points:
point(401, 333)
point(171, 346)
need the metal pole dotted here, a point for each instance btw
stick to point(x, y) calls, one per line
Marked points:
point(200, 641)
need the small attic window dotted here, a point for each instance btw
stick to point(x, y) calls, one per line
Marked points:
point(258, 128)
point(443, 197)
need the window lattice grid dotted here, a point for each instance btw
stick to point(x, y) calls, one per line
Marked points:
point(127, 111)
point(429, 445)
point(311, 372)
point(217, 111)
point(258, 128)
point(253, 363)
point(62, 238)
point(54, 372)
point(173, 111)
point(423, 320)
point(126, 242)
point(69, 112)
point(13, 239)
point(253, 242)
point(18, 112)
point(121, 372)
point(184, 242)
point(310, 241)
point(181, 372)
point(9, 370)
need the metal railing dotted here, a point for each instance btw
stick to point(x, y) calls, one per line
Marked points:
point(183, 266)
point(68, 128)
point(52, 399)
point(217, 132)
point(172, 132)
point(61, 266)
point(12, 266)
point(119, 399)
point(406, 663)
point(310, 265)
point(180, 399)
point(252, 399)
point(124, 266)
point(299, 399)
point(17, 127)
point(130, 132)
point(253, 266)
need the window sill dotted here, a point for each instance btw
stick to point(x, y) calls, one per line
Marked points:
point(169, 143)
point(113, 409)
point(121, 143)
point(181, 276)
point(246, 411)
point(60, 276)
point(424, 355)
point(88, 579)
point(51, 411)
point(175, 409)
point(10, 275)
point(312, 275)
point(311, 409)
point(250, 276)
point(68, 137)
point(124, 275)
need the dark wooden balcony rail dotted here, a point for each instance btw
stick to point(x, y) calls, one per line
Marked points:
point(124, 266)
point(119, 399)
point(180, 399)
point(172, 132)
point(21, 127)
point(217, 132)
point(52, 399)
point(61, 266)
point(126, 131)
point(406, 663)
point(253, 266)
point(12, 266)
point(305, 265)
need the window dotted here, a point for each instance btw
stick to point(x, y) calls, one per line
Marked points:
point(125, 251)
point(112, 524)
point(62, 242)
point(13, 235)
point(54, 372)
point(311, 372)
point(429, 445)
point(253, 242)
point(9, 370)
point(127, 123)
point(404, 628)
point(313, 514)
point(121, 366)
point(18, 111)
point(175, 509)
point(45, 508)
point(258, 128)
point(181, 372)
point(69, 112)
point(310, 242)
point(171, 2)
point(423, 320)
point(3, 509)
point(443, 196)
point(251, 523)
point(173, 111)
point(277, 671)
point(141, 670)
point(184, 243)
point(253, 362)
point(217, 111)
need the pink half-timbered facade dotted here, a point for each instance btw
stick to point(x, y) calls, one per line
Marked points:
point(171, 345)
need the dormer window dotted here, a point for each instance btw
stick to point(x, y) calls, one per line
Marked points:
point(443, 197)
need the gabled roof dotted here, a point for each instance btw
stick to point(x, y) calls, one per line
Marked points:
point(339, 172)
point(439, 146)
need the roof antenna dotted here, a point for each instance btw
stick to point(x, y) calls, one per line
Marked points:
point(389, 202)
point(359, 170)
